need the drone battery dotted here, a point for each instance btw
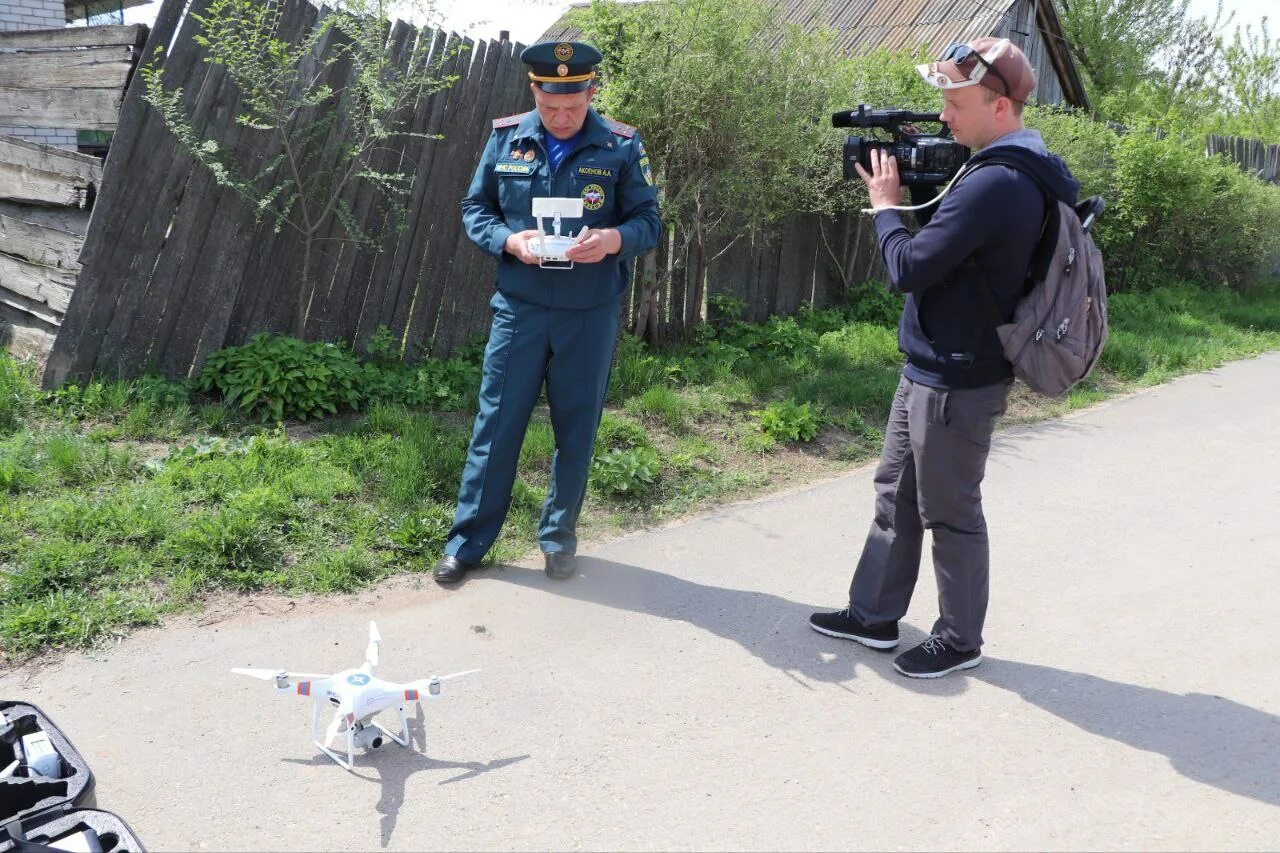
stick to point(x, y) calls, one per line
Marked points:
point(42, 758)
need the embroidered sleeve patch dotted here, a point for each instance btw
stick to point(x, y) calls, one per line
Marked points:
point(593, 197)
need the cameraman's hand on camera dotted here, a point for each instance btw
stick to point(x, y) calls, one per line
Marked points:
point(882, 184)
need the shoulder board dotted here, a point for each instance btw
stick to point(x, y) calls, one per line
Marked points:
point(507, 121)
point(624, 130)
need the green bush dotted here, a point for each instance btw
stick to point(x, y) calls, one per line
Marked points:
point(635, 369)
point(1172, 213)
point(424, 531)
point(281, 377)
point(788, 421)
point(1088, 146)
point(625, 473)
point(619, 433)
point(445, 385)
point(15, 475)
point(663, 405)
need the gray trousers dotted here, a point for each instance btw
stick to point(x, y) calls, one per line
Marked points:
point(930, 476)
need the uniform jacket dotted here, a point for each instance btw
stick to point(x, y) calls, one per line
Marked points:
point(609, 170)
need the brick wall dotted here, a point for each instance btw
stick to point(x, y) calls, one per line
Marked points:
point(36, 15)
point(32, 14)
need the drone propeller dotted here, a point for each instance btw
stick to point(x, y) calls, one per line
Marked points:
point(424, 682)
point(375, 642)
point(268, 674)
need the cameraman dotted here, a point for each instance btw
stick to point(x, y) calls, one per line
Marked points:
point(956, 380)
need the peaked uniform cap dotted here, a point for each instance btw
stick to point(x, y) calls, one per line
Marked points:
point(562, 67)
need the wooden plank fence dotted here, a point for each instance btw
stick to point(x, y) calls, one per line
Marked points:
point(1253, 155)
point(174, 267)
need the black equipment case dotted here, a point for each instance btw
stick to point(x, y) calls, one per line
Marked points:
point(38, 813)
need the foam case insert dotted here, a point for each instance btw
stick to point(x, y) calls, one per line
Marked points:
point(35, 812)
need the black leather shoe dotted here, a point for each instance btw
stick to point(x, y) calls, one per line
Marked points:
point(451, 569)
point(561, 566)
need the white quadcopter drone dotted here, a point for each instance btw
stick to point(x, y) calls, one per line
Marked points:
point(357, 697)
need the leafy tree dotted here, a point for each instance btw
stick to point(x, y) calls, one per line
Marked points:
point(1114, 41)
point(340, 78)
point(1250, 77)
point(733, 107)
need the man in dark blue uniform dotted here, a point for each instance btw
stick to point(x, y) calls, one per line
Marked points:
point(556, 326)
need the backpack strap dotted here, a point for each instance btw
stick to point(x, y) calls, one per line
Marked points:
point(1040, 258)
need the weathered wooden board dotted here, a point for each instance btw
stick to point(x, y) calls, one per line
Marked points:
point(42, 174)
point(30, 185)
point(91, 68)
point(66, 219)
point(23, 335)
point(73, 37)
point(34, 241)
point(49, 286)
point(46, 158)
point(75, 109)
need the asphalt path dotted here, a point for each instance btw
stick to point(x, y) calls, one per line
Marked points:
point(673, 696)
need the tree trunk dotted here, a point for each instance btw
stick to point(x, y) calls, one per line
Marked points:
point(646, 316)
point(304, 292)
point(700, 275)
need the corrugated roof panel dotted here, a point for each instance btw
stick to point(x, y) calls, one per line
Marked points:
point(983, 24)
point(935, 11)
point(939, 36)
point(907, 12)
point(880, 14)
point(905, 38)
point(871, 38)
point(846, 14)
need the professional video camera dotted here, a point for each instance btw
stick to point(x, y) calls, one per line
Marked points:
point(923, 159)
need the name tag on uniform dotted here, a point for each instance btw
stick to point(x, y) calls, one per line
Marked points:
point(514, 168)
point(595, 172)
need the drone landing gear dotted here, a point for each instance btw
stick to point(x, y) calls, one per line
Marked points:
point(358, 734)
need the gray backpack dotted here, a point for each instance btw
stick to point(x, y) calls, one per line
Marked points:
point(1060, 325)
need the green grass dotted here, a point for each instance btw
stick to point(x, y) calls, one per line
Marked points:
point(121, 503)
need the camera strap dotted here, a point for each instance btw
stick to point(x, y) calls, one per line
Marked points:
point(966, 169)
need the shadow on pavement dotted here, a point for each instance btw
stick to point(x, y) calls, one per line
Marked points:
point(1209, 739)
point(771, 628)
point(394, 766)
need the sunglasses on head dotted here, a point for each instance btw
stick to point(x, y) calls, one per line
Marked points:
point(962, 54)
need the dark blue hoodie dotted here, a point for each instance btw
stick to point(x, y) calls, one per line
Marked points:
point(991, 219)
